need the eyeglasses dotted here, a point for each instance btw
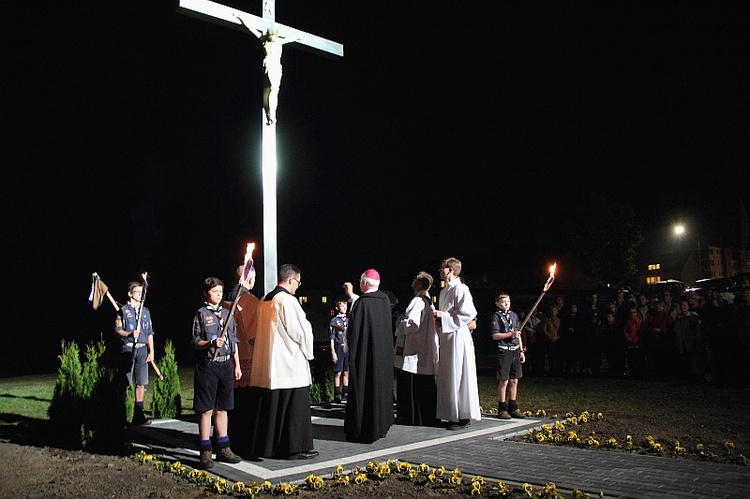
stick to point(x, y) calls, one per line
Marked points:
point(299, 283)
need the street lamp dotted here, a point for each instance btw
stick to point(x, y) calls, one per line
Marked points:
point(680, 231)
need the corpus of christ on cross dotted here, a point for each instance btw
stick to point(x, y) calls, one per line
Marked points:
point(273, 35)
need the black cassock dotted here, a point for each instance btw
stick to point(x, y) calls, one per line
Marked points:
point(369, 406)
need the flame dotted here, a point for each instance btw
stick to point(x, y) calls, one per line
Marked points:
point(249, 254)
point(551, 279)
point(244, 277)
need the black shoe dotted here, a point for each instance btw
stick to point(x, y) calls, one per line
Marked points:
point(140, 419)
point(463, 423)
point(302, 455)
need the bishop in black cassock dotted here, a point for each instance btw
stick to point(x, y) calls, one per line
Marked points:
point(369, 408)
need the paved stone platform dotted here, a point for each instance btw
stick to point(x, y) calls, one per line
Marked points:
point(481, 449)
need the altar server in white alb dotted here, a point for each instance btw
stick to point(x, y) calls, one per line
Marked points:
point(416, 358)
point(458, 394)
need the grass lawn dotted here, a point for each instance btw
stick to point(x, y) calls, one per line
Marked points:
point(699, 416)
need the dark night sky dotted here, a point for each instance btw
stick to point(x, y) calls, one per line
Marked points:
point(449, 128)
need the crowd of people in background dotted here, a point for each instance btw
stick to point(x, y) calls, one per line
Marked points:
point(687, 338)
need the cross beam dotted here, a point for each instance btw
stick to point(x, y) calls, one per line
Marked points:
point(226, 16)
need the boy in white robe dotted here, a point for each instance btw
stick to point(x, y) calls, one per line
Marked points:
point(458, 393)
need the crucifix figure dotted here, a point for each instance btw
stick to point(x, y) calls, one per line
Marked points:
point(273, 36)
point(272, 45)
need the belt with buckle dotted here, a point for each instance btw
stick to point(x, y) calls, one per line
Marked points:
point(222, 358)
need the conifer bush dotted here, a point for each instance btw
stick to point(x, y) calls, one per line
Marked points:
point(166, 402)
point(65, 411)
point(315, 396)
point(328, 387)
point(83, 410)
point(321, 389)
point(92, 369)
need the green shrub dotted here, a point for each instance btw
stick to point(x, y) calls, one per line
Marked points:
point(84, 408)
point(328, 392)
point(321, 390)
point(166, 402)
point(92, 369)
point(315, 397)
point(104, 425)
point(65, 411)
point(69, 375)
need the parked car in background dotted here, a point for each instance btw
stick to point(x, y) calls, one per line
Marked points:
point(655, 290)
point(702, 286)
point(740, 280)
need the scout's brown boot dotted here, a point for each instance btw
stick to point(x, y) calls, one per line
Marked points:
point(227, 456)
point(206, 460)
point(503, 415)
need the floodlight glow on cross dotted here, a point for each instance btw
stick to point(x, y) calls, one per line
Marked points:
point(269, 167)
point(226, 16)
point(210, 9)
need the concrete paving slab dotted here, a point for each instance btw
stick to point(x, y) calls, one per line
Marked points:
point(481, 449)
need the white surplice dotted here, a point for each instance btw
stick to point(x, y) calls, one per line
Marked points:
point(458, 392)
point(416, 338)
point(283, 344)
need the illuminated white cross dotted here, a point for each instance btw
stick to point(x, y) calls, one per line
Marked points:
point(227, 16)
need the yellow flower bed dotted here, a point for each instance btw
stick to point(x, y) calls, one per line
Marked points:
point(420, 475)
point(564, 432)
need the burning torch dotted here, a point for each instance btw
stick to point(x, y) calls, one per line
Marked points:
point(547, 285)
point(244, 282)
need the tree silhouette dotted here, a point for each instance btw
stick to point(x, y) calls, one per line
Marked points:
point(603, 237)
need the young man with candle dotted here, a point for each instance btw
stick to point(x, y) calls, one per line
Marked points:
point(505, 329)
point(217, 367)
